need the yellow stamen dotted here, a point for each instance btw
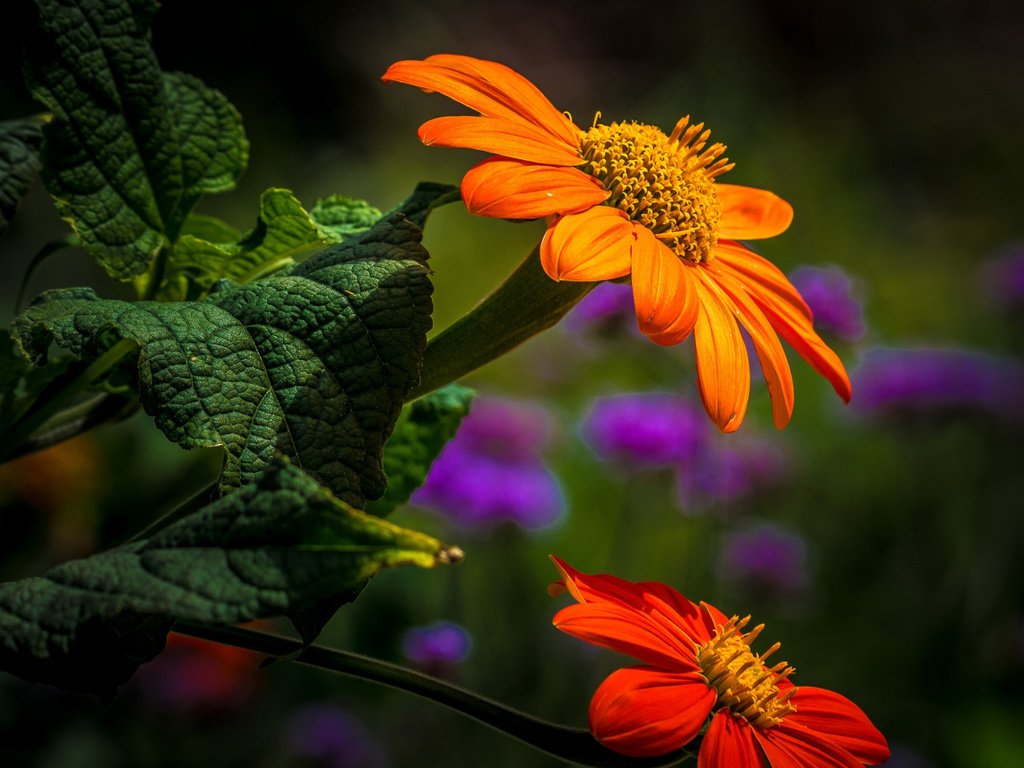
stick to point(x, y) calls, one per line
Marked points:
point(744, 683)
point(665, 183)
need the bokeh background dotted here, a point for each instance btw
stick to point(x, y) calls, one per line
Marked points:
point(880, 542)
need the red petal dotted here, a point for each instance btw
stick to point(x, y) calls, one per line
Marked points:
point(512, 189)
point(723, 371)
point(630, 632)
point(751, 214)
point(729, 743)
point(508, 138)
point(712, 617)
point(786, 311)
point(589, 246)
point(789, 745)
point(661, 601)
point(663, 291)
point(842, 721)
point(491, 89)
point(645, 711)
point(766, 343)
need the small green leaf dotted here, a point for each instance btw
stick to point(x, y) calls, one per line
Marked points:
point(210, 228)
point(275, 547)
point(284, 235)
point(129, 149)
point(313, 362)
point(338, 217)
point(19, 163)
point(423, 428)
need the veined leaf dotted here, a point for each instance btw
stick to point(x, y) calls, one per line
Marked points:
point(19, 162)
point(130, 148)
point(338, 217)
point(276, 546)
point(423, 429)
point(20, 381)
point(313, 362)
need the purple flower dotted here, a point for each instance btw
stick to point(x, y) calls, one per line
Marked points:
point(492, 470)
point(729, 468)
point(765, 558)
point(1002, 277)
point(651, 429)
point(440, 644)
point(332, 737)
point(889, 380)
point(831, 295)
point(905, 756)
point(608, 307)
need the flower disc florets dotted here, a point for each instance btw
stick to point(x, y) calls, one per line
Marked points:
point(665, 183)
point(745, 684)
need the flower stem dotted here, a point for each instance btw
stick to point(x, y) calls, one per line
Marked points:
point(527, 303)
point(572, 744)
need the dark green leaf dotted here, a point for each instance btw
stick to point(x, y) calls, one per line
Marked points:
point(129, 149)
point(423, 428)
point(277, 546)
point(313, 362)
point(20, 381)
point(19, 162)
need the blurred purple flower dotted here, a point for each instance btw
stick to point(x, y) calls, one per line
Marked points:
point(650, 429)
point(440, 644)
point(765, 558)
point(608, 307)
point(904, 756)
point(831, 295)
point(492, 470)
point(731, 467)
point(332, 737)
point(890, 379)
point(1002, 277)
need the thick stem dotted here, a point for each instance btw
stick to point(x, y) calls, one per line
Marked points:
point(572, 744)
point(527, 303)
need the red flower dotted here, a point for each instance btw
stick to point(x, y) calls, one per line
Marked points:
point(698, 663)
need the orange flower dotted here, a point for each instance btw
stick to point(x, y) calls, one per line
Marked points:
point(627, 200)
point(698, 663)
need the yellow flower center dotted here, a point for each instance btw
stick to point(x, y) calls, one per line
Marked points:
point(745, 684)
point(665, 183)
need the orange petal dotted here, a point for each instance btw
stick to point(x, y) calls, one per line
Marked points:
point(646, 711)
point(841, 720)
point(491, 89)
point(511, 189)
point(787, 313)
point(628, 631)
point(766, 343)
point(758, 273)
point(729, 743)
point(789, 745)
point(723, 370)
point(501, 137)
point(663, 291)
point(751, 214)
point(589, 246)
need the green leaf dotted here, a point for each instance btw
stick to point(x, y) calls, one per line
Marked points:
point(19, 163)
point(423, 429)
point(277, 546)
point(337, 217)
point(20, 381)
point(312, 362)
point(129, 149)
point(284, 235)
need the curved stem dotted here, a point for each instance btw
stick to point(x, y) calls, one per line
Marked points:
point(74, 420)
point(573, 744)
point(52, 247)
point(527, 303)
